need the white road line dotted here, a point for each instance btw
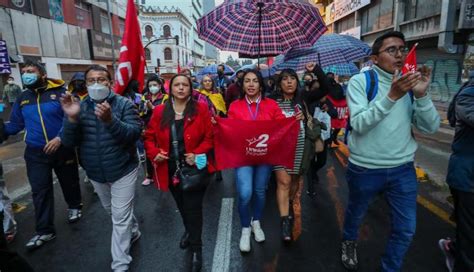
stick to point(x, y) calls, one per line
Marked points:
point(221, 261)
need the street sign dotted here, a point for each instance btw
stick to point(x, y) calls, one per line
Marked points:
point(5, 67)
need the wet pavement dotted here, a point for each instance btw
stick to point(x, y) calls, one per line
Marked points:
point(85, 246)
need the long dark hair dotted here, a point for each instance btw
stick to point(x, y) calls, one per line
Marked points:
point(189, 111)
point(297, 99)
point(260, 82)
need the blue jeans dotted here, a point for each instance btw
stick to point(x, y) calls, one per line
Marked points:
point(251, 183)
point(399, 186)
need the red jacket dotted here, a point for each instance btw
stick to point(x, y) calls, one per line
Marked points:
point(267, 110)
point(197, 139)
point(342, 112)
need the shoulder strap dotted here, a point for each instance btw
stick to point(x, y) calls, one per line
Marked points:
point(174, 142)
point(372, 84)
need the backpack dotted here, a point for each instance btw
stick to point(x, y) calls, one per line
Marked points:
point(452, 106)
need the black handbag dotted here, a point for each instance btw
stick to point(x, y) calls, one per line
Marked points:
point(190, 177)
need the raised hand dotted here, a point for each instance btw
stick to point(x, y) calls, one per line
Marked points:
point(420, 89)
point(401, 85)
point(103, 111)
point(70, 106)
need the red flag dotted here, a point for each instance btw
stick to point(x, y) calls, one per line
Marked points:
point(270, 61)
point(132, 55)
point(410, 61)
point(255, 142)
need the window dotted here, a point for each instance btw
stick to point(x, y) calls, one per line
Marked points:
point(147, 54)
point(166, 31)
point(168, 54)
point(379, 15)
point(104, 22)
point(122, 27)
point(148, 31)
point(83, 14)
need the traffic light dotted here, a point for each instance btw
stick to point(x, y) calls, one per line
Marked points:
point(158, 62)
point(157, 70)
point(177, 39)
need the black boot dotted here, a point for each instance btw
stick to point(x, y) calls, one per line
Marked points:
point(286, 233)
point(197, 261)
point(184, 242)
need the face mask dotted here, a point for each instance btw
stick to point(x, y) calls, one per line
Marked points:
point(79, 87)
point(201, 161)
point(29, 79)
point(98, 92)
point(10, 82)
point(307, 82)
point(154, 89)
point(220, 73)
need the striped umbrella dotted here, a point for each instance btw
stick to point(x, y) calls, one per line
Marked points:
point(261, 27)
point(346, 69)
point(328, 50)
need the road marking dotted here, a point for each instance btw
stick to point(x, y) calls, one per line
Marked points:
point(421, 200)
point(435, 209)
point(221, 261)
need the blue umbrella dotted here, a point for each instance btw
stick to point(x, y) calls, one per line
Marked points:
point(265, 72)
point(212, 70)
point(330, 49)
point(348, 69)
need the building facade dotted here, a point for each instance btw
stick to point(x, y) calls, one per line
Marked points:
point(65, 35)
point(166, 38)
point(187, 12)
point(442, 28)
point(211, 52)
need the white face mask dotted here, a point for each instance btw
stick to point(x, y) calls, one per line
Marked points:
point(98, 92)
point(10, 82)
point(154, 89)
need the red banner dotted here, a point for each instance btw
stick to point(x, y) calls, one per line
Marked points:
point(132, 55)
point(242, 143)
point(410, 61)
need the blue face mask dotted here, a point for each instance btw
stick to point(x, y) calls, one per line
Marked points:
point(29, 78)
point(201, 161)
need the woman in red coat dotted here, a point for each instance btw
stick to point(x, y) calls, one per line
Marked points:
point(194, 136)
point(251, 181)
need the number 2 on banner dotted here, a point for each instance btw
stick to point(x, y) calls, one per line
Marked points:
point(263, 139)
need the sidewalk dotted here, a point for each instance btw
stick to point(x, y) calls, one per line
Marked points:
point(14, 169)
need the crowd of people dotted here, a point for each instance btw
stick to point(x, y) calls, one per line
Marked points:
point(170, 130)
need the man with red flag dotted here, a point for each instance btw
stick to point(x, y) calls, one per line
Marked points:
point(381, 145)
point(132, 55)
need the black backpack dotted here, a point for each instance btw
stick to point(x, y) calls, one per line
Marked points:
point(452, 106)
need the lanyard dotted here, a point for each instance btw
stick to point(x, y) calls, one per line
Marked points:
point(252, 115)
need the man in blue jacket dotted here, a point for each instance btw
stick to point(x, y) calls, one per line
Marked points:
point(460, 179)
point(105, 127)
point(38, 111)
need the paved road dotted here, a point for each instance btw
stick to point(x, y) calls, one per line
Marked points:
point(84, 246)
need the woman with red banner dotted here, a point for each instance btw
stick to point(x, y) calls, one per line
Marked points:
point(251, 181)
point(293, 102)
point(180, 135)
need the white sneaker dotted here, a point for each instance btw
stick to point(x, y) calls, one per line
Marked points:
point(257, 231)
point(147, 182)
point(245, 240)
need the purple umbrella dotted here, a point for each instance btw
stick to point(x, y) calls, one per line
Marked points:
point(261, 27)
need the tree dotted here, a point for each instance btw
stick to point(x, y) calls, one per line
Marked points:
point(235, 64)
point(246, 62)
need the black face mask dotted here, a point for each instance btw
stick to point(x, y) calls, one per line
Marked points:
point(220, 73)
point(79, 86)
point(307, 82)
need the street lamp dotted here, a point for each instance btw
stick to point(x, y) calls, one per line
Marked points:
point(159, 39)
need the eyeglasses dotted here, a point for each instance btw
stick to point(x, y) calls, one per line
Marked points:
point(206, 80)
point(392, 51)
point(100, 80)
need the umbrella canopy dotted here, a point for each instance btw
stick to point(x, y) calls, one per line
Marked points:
point(330, 49)
point(212, 70)
point(264, 70)
point(346, 69)
point(261, 27)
